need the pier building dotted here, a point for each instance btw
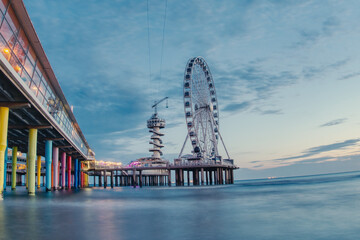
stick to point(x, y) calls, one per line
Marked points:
point(35, 117)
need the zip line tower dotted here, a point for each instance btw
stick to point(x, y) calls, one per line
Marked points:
point(155, 124)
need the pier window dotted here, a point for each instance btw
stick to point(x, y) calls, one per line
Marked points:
point(15, 63)
point(19, 52)
point(8, 35)
point(30, 62)
point(23, 40)
point(25, 77)
point(12, 20)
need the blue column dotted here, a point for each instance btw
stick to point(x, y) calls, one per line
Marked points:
point(75, 173)
point(5, 165)
point(48, 155)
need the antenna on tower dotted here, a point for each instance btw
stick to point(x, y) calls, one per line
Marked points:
point(158, 102)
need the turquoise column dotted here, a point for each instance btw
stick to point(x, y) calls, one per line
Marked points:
point(5, 165)
point(48, 154)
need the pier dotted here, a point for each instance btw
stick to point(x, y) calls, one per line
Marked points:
point(41, 142)
point(35, 118)
point(184, 174)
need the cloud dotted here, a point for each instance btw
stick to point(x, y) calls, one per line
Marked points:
point(268, 112)
point(321, 149)
point(249, 84)
point(315, 160)
point(309, 72)
point(235, 107)
point(348, 76)
point(311, 35)
point(334, 122)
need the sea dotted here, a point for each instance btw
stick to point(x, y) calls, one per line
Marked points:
point(309, 207)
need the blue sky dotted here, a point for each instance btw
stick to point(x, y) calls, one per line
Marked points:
point(286, 73)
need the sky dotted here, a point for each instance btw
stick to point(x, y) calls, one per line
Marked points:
point(286, 74)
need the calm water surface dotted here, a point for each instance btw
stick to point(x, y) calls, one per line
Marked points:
point(314, 207)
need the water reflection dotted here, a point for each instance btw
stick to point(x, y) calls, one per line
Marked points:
point(306, 208)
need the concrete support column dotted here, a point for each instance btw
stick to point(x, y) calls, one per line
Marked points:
point(100, 179)
point(112, 179)
point(105, 179)
point(134, 178)
point(4, 120)
point(48, 153)
point(52, 176)
point(5, 165)
point(32, 155)
point(207, 177)
point(82, 174)
point(181, 177)
point(215, 176)
point(116, 179)
point(86, 177)
point(79, 174)
point(188, 177)
point(38, 164)
point(69, 172)
point(169, 178)
point(202, 176)
point(63, 167)
point(14, 168)
point(55, 160)
point(76, 172)
point(140, 178)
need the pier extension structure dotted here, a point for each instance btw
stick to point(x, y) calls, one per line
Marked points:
point(185, 173)
point(35, 117)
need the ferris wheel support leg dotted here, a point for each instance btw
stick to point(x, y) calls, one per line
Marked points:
point(224, 145)
point(182, 149)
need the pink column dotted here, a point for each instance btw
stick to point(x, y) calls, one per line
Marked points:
point(63, 165)
point(69, 171)
point(55, 161)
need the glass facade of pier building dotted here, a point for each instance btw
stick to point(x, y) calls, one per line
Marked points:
point(19, 52)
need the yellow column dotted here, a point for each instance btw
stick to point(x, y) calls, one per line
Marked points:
point(14, 168)
point(86, 179)
point(4, 120)
point(32, 156)
point(38, 171)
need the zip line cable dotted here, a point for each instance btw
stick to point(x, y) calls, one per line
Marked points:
point(148, 25)
point(162, 44)
point(162, 47)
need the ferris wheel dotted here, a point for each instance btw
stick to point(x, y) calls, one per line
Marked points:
point(201, 109)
